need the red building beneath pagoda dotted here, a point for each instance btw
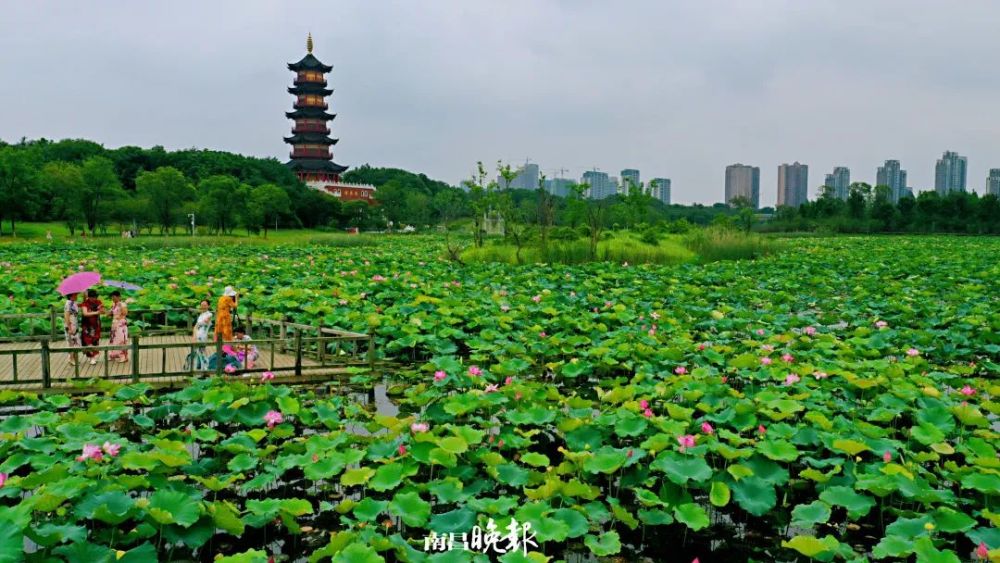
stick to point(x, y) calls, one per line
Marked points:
point(312, 156)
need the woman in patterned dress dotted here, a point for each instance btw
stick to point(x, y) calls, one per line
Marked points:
point(119, 328)
point(71, 325)
point(91, 323)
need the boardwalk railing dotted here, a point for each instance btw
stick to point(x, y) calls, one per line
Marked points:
point(161, 348)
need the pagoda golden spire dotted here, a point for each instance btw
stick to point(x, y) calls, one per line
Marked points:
point(309, 43)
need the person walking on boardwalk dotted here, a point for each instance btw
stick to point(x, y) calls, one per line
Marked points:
point(91, 323)
point(224, 314)
point(71, 325)
point(119, 327)
point(202, 327)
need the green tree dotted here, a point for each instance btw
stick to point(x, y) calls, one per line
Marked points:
point(391, 197)
point(66, 182)
point(546, 209)
point(265, 205)
point(858, 195)
point(220, 201)
point(165, 191)
point(17, 181)
point(883, 211)
point(100, 189)
point(596, 215)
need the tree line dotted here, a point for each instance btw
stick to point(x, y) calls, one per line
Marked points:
point(92, 188)
point(869, 209)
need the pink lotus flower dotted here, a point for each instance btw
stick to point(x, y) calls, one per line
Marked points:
point(654, 315)
point(229, 368)
point(440, 375)
point(418, 427)
point(518, 395)
point(760, 332)
point(536, 298)
point(90, 451)
point(342, 301)
point(767, 348)
point(542, 334)
point(913, 352)
point(887, 457)
point(508, 380)
point(967, 391)
point(761, 430)
point(267, 376)
point(595, 309)
point(491, 388)
point(706, 428)
point(766, 361)
point(809, 330)
point(629, 454)
point(3, 479)
point(687, 440)
point(644, 404)
point(111, 449)
point(791, 379)
point(881, 324)
point(608, 303)
point(820, 375)
point(474, 371)
point(680, 370)
point(377, 278)
point(273, 417)
point(505, 308)
point(315, 458)
point(701, 347)
point(787, 358)
point(982, 551)
point(647, 413)
point(652, 332)
point(500, 443)
point(401, 449)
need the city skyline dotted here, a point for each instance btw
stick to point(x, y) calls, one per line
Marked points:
point(417, 87)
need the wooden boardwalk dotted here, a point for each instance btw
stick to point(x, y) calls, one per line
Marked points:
point(156, 364)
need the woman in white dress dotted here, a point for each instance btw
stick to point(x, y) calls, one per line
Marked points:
point(202, 329)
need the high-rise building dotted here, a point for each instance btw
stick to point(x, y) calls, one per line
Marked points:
point(949, 174)
point(793, 184)
point(558, 186)
point(993, 182)
point(630, 178)
point(311, 156)
point(890, 174)
point(600, 185)
point(659, 188)
point(526, 179)
point(743, 181)
point(839, 181)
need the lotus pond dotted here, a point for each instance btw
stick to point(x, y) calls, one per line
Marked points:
point(833, 402)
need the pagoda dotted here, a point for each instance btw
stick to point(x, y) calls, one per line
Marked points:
point(311, 156)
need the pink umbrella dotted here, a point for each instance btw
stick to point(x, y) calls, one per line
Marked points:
point(78, 283)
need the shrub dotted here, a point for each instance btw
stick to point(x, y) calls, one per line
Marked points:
point(715, 244)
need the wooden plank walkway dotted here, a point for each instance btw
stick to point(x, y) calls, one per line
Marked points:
point(152, 362)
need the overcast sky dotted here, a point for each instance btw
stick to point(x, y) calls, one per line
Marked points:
point(676, 89)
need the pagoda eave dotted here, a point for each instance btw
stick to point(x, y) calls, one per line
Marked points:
point(301, 113)
point(314, 165)
point(309, 62)
point(310, 139)
point(299, 90)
